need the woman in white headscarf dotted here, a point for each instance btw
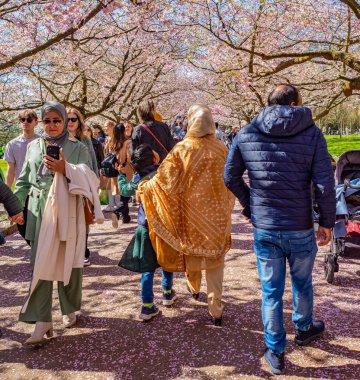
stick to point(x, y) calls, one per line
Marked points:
point(188, 208)
point(34, 183)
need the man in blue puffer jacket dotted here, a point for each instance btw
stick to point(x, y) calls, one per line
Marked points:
point(283, 152)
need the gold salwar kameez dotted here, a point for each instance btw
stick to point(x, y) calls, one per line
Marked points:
point(188, 208)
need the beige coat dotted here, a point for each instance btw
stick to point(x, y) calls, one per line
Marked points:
point(61, 244)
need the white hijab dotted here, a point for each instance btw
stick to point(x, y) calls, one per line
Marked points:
point(200, 121)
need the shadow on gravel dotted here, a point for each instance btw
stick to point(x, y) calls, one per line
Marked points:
point(184, 345)
point(111, 343)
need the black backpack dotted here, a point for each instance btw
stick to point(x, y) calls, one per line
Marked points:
point(108, 166)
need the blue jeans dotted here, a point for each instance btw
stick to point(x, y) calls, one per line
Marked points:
point(272, 248)
point(147, 284)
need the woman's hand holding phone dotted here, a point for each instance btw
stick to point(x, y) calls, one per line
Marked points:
point(55, 165)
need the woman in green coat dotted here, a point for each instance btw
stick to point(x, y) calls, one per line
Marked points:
point(34, 183)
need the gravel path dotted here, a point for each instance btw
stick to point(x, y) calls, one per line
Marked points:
point(109, 342)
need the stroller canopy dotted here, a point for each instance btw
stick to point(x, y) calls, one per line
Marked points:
point(348, 166)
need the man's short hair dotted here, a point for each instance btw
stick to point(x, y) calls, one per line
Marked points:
point(283, 95)
point(28, 113)
point(146, 109)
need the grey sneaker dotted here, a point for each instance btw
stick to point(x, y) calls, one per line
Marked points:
point(276, 361)
point(108, 209)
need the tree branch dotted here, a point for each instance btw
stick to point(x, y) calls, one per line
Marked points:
point(354, 6)
point(59, 37)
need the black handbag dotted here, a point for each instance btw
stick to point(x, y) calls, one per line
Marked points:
point(108, 166)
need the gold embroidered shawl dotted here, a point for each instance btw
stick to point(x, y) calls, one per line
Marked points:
point(187, 204)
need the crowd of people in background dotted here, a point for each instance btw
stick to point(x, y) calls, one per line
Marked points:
point(226, 134)
point(185, 177)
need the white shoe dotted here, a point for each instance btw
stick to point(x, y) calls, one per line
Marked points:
point(37, 337)
point(69, 320)
point(114, 220)
point(108, 209)
point(87, 262)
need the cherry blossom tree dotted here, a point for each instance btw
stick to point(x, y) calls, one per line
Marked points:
point(104, 57)
point(313, 44)
point(106, 69)
point(29, 27)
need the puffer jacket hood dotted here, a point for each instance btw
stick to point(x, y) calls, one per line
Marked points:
point(285, 155)
point(283, 120)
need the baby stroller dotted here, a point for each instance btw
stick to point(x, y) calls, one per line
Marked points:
point(347, 225)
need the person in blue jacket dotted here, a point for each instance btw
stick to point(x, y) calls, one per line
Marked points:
point(284, 152)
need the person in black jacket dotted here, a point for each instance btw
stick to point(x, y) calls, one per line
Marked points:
point(284, 152)
point(12, 206)
point(98, 148)
point(11, 203)
point(155, 133)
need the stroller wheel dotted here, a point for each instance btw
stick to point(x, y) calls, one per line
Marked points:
point(329, 267)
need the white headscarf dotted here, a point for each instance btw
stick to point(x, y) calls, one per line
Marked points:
point(200, 121)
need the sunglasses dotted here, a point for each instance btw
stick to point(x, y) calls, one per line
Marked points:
point(48, 121)
point(73, 119)
point(25, 119)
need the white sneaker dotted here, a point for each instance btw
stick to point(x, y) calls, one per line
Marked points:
point(108, 209)
point(69, 320)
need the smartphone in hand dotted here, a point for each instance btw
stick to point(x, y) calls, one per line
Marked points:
point(53, 151)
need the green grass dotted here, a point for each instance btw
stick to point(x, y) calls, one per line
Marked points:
point(3, 166)
point(3, 215)
point(337, 145)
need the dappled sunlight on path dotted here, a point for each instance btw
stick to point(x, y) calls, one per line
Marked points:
point(109, 342)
